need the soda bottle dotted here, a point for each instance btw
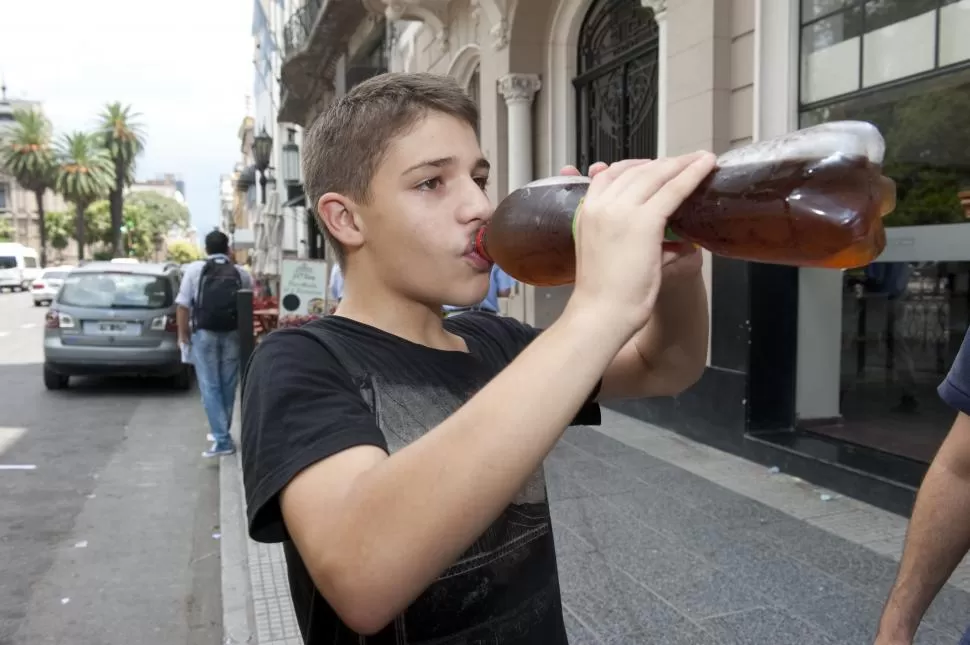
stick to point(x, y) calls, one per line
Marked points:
point(811, 198)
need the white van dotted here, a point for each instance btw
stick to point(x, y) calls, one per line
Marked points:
point(19, 266)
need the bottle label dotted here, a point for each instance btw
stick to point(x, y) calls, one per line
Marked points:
point(669, 234)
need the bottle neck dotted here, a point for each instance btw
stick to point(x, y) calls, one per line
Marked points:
point(481, 243)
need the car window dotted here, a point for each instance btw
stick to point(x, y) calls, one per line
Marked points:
point(116, 291)
point(8, 262)
point(54, 275)
point(29, 262)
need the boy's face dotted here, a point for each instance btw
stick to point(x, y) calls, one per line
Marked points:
point(427, 201)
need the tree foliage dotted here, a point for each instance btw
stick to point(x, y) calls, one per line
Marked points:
point(6, 230)
point(183, 252)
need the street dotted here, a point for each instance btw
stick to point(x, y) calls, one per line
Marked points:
point(109, 516)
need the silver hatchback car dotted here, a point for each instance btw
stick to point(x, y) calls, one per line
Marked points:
point(115, 319)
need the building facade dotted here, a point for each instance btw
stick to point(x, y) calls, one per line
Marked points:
point(279, 224)
point(828, 374)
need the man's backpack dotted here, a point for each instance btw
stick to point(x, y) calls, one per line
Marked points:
point(215, 304)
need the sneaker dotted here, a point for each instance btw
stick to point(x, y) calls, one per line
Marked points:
point(219, 451)
point(209, 436)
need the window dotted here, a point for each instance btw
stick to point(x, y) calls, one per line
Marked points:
point(117, 291)
point(4, 197)
point(8, 262)
point(54, 275)
point(30, 263)
point(849, 45)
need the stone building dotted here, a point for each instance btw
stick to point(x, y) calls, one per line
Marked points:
point(817, 370)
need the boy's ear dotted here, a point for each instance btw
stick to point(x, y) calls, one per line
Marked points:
point(339, 215)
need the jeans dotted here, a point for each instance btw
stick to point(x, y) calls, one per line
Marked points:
point(216, 358)
point(966, 637)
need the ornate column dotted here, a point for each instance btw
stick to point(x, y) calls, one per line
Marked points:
point(660, 15)
point(519, 90)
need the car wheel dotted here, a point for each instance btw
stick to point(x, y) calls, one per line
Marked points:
point(55, 381)
point(182, 380)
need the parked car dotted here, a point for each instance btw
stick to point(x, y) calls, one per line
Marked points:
point(115, 319)
point(19, 266)
point(44, 288)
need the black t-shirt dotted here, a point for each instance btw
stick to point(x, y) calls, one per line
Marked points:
point(336, 383)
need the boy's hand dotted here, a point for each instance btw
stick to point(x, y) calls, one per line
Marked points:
point(620, 234)
point(680, 258)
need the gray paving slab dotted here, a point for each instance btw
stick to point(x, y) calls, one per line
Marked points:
point(664, 540)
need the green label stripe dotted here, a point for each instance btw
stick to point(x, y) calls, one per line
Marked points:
point(579, 209)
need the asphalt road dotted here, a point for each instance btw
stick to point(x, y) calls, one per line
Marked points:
point(110, 539)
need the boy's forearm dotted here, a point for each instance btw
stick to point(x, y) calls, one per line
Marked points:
point(674, 342)
point(411, 516)
point(937, 539)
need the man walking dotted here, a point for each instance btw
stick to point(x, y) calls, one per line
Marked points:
point(207, 323)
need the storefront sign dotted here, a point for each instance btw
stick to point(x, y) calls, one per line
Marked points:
point(303, 290)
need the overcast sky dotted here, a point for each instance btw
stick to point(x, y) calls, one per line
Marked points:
point(185, 65)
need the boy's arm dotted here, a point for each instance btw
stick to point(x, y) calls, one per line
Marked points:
point(668, 355)
point(375, 531)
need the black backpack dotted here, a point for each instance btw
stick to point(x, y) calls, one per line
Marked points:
point(215, 304)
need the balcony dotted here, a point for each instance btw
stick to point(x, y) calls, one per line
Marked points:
point(314, 39)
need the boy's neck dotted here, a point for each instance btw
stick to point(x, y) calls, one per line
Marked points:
point(373, 304)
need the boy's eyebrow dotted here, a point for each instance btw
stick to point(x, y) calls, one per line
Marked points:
point(480, 164)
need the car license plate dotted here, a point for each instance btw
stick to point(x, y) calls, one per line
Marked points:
point(112, 328)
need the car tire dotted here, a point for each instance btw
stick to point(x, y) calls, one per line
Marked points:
point(38, 303)
point(182, 380)
point(54, 380)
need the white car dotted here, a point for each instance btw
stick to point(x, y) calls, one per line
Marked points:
point(19, 266)
point(44, 288)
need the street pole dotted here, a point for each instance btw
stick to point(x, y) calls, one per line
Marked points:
point(247, 342)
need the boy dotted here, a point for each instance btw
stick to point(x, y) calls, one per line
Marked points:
point(397, 456)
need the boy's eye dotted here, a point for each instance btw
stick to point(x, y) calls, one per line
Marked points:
point(482, 182)
point(431, 184)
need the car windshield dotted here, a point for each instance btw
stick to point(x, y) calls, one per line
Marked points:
point(8, 262)
point(116, 291)
point(54, 275)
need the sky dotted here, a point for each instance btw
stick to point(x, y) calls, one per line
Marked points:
point(184, 65)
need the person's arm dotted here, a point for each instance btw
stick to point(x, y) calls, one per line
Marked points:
point(668, 355)
point(938, 536)
point(183, 302)
point(937, 539)
point(374, 531)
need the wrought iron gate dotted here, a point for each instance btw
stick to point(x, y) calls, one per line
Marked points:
point(616, 89)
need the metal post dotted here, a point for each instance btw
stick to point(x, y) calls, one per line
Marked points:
point(247, 342)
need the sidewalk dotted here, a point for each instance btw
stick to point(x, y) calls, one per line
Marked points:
point(664, 540)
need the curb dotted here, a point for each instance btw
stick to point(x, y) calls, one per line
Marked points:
point(238, 615)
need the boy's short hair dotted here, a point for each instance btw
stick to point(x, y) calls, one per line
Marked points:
point(347, 142)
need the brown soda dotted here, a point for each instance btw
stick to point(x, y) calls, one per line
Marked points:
point(811, 198)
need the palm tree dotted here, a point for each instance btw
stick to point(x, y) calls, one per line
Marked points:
point(85, 176)
point(124, 140)
point(28, 155)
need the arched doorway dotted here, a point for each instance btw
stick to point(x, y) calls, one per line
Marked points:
point(616, 85)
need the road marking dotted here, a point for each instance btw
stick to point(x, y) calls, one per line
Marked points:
point(28, 325)
point(18, 467)
point(8, 436)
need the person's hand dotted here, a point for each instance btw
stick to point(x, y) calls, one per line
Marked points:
point(620, 233)
point(681, 259)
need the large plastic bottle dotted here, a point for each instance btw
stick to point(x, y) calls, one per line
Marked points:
point(812, 198)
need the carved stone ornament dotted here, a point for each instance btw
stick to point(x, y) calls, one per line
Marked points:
point(433, 13)
point(519, 88)
point(658, 6)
